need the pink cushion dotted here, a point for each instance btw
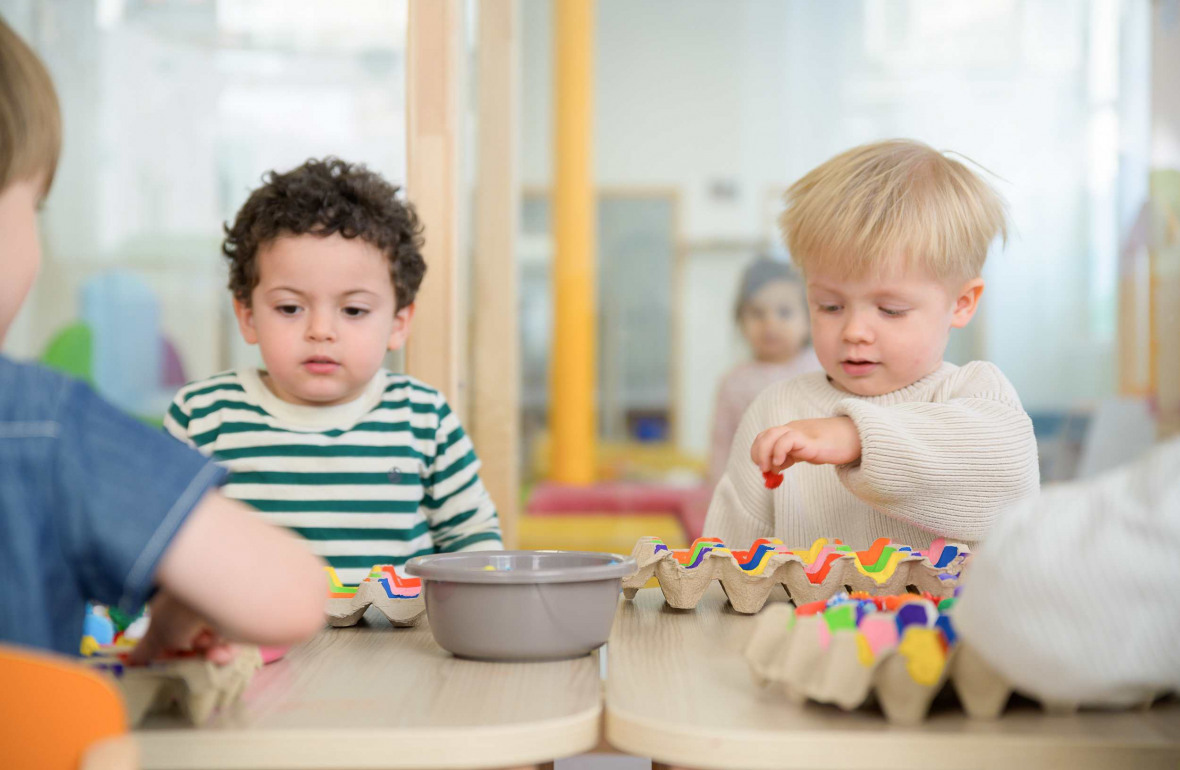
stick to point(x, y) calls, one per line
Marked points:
point(689, 504)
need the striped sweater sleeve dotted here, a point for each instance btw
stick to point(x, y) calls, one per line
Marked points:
point(177, 419)
point(949, 465)
point(457, 506)
point(1072, 598)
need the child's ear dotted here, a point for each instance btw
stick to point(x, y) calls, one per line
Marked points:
point(967, 303)
point(401, 327)
point(245, 316)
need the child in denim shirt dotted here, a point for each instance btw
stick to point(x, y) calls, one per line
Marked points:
point(95, 506)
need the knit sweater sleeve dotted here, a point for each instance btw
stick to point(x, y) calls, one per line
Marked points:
point(949, 465)
point(1072, 597)
point(742, 509)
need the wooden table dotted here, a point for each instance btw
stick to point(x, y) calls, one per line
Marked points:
point(373, 696)
point(679, 691)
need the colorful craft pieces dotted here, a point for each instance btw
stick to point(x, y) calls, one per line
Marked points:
point(813, 574)
point(850, 647)
point(399, 599)
point(901, 649)
point(187, 683)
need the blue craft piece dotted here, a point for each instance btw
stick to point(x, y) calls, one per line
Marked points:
point(99, 627)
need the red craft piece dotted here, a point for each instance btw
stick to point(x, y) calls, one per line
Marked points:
point(771, 479)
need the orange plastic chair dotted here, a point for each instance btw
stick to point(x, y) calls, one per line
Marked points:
point(58, 715)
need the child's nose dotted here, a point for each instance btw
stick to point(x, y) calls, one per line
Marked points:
point(857, 329)
point(321, 327)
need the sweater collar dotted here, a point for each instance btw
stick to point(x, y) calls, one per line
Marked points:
point(313, 418)
point(820, 387)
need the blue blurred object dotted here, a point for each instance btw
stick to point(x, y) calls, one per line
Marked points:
point(1059, 435)
point(98, 626)
point(124, 317)
point(651, 429)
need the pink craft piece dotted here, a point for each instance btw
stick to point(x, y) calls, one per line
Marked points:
point(879, 632)
point(825, 635)
point(935, 550)
point(271, 654)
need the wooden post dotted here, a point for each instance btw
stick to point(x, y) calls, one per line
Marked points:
point(495, 333)
point(434, 60)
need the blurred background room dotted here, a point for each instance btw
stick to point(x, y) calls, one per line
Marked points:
point(594, 177)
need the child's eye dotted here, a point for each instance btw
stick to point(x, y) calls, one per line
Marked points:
point(893, 313)
point(829, 308)
point(784, 313)
point(356, 312)
point(287, 309)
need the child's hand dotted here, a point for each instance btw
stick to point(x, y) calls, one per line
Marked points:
point(831, 440)
point(174, 627)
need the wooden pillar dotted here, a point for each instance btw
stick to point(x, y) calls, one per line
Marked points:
point(495, 333)
point(572, 362)
point(434, 60)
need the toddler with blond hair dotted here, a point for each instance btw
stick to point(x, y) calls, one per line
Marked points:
point(889, 440)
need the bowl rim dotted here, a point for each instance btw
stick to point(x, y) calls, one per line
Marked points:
point(435, 566)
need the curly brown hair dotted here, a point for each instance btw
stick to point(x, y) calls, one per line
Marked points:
point(323, 197)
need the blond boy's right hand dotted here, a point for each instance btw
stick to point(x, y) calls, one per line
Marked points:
point(825, 441)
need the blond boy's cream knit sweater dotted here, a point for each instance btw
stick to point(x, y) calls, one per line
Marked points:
point(941, 457)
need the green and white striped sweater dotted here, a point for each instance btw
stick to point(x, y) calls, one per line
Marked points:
point(378, 480)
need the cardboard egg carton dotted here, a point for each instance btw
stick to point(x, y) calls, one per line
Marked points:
point(901, 652)
point(825, 569)
point(399, 599)
point(188, 684)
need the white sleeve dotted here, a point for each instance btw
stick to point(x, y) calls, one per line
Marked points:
point(1074, 596)
point(949, 466)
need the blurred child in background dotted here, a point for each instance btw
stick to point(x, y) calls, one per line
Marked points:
point(771, 311)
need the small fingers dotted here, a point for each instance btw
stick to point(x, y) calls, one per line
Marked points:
point(783, 449)
point(763, 445)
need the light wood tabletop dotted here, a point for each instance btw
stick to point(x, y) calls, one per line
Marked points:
point(679, 691)
point(374, 696)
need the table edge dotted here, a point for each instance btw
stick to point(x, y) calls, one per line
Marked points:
point(371, 747)
point(708, 748)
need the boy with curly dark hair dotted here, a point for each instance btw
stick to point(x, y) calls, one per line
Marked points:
point(371, 467)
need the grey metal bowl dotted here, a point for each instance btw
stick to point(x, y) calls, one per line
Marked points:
point(521, 605)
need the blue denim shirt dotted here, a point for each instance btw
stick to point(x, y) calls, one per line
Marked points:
point(89, 501)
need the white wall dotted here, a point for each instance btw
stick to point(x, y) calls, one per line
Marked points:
point(1165, 96)
point(755, 94)
point(171, 115)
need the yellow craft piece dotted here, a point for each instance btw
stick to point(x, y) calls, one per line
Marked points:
point(758, 570)
point(89, 646)
point(812, 553)
point(489, 568)
point(761, 565)
point(864, 653)
point(924, 659)
point(887, 571)
point(333, 578)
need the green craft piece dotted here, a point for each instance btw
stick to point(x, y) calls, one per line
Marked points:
point(842, 617)
point(121, 619)
point(882, 560)
point(71, 351)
